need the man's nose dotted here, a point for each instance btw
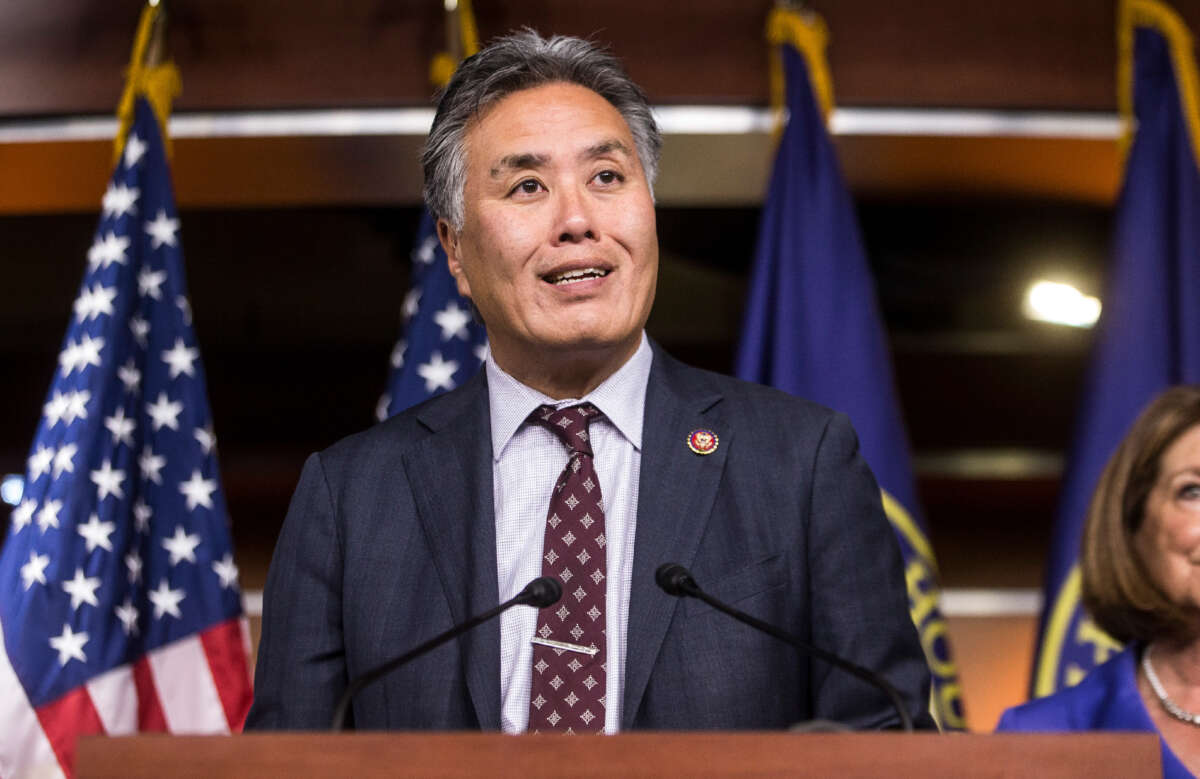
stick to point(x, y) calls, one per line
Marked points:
point(576, 220)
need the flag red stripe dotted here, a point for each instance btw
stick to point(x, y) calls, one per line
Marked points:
point(65, 720)
point(150, 710)
point(225, 649)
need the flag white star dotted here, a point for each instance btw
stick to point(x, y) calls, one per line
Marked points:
point(381, 407)
point(119, 200)
point(426, 251)
point(181, 546)
point(48, 516)
point(397, 358)
point(162, 230)
point(80, 354)
point(140, 329)
point(64, 459)
point(93, 302)
point(39, 462)
point(150, 281)
point(108, 250)
point(481, 351)
point(133, 561)
point(165, 600)
point(96, 533)
point(206, 438)
point(198, 491)
point(128, 614)
point(82, 589)
point(129, 375)
point(69, 645)
point(76, 406)
point(164, 412)
point(35, 569)
point(151, 465)
point(437, 373)
point(185, 309)
point(179, 359)
point(141, 516)
point(227, 571)
point(22, 515)
point(134, 149)
point(55, 408)
point(121, 427)
point(412, 302)
point(453, 321)
point(108, 481)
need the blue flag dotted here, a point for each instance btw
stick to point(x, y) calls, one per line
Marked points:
point(1148, 336)
point(443, 344)
point(813, 326)
point(120, 608)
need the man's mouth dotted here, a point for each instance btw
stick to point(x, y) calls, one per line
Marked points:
point(575, 276)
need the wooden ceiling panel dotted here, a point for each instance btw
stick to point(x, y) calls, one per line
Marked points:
point(67, 56)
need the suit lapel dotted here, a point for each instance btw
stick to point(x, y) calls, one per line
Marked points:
point(450, 474)
point(675, 496)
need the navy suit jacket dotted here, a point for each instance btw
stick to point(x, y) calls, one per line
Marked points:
point(390, 539)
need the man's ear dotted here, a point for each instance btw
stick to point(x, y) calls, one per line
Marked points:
point(449, 238)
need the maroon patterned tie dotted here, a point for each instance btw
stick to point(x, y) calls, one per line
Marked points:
point(569, 648)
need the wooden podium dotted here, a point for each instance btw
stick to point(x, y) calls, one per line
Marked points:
point(715, 754)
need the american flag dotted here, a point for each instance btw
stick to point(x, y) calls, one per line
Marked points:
point(120, 609)
point(443, 345)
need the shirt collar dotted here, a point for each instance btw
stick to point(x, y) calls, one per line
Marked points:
point(622, 398)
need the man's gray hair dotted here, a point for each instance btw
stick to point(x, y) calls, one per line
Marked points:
point(510, 64)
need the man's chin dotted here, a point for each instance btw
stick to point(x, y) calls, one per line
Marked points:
point(589, 343)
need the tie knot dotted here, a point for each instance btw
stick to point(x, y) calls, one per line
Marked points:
point(570, 424)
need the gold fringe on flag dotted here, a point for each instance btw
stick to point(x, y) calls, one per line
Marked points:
point(444, 63)
point(807, 33)
point(158, 82)
point(1160, 17)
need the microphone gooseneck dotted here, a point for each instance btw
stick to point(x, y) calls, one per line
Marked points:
point(676, 580)
point(541, 592)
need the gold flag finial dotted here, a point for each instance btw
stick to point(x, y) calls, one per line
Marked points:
point(148, 75)
point(462, 41)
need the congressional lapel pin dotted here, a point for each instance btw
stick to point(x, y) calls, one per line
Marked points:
point(702, 441)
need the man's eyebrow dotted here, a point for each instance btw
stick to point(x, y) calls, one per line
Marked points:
point(604, 147)
point(519, 162)
point(531, 160)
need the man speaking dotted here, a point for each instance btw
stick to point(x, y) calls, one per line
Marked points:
point(582, 451)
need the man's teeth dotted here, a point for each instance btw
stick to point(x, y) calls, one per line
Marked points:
point(573, 276)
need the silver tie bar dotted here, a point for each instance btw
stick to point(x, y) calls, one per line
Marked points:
point(587, 650)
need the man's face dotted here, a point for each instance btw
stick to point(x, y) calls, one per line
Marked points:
point(558, 248)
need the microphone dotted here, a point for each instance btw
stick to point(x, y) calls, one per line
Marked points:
point(676, 580)
point(539, 593)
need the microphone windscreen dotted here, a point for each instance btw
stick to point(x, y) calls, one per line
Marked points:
point(542, 592)
point(674, 579)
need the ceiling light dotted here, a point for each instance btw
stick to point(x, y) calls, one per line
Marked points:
point(1062, 304)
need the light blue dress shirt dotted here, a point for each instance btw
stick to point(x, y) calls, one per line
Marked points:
point(527, 461)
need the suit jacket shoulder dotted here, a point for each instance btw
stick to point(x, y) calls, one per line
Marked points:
point(783, 519)
point(380, 447)
point(386, 543)
point(1106, 699)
